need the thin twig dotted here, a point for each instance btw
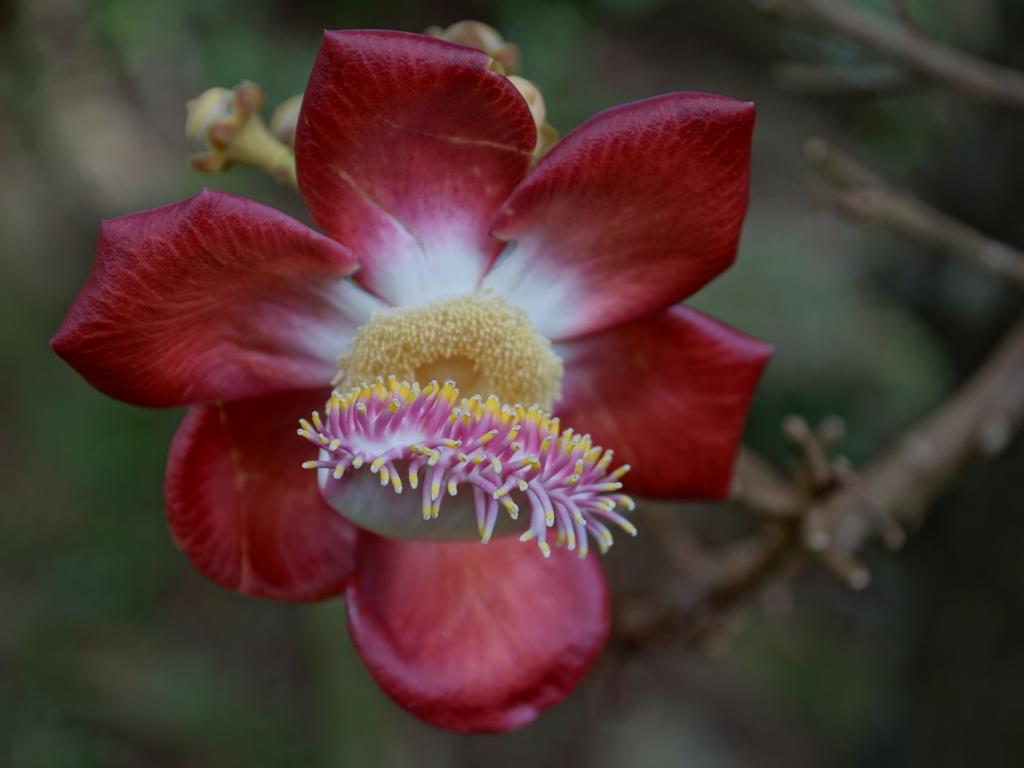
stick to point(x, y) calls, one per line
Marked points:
point(978, 422)
point(905, 15)
point(761, 489)
point(865, 197)
point(841, 82)
point(961, 72)
point(830, 513)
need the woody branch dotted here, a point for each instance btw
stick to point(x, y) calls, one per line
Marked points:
point(829, 512)
point(966, 75)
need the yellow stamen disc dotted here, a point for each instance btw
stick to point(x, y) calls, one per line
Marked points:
point(479, 340)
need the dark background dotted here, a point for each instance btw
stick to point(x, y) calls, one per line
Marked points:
point(114, 652)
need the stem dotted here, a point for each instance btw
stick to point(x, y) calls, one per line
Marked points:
point(866, 198)
point(961, 72)
point(254, 145)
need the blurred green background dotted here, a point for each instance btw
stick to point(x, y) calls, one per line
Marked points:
point(113, 652)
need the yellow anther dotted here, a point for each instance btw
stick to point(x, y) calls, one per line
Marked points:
point(310, 464)
point(339, 471)
point(619, 472)
point(492, 346)
point(511, 507)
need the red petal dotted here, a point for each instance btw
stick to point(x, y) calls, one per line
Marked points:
point(212, 298)
point(475, 637)
point(669, 394)
point(242, 508)
point(405, 148)
point(630, 213)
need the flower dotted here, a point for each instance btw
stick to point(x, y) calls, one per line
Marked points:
point(443, 258)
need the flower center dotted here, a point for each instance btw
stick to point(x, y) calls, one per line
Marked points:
point(506, 458)
point(478, 340)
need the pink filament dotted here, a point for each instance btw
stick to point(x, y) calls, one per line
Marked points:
point(508, 457)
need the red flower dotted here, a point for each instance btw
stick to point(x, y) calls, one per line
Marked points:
point(413, 156)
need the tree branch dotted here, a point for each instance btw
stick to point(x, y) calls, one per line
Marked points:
point(828, 512)
point(977, 422)
point(842, 82)
point(866, 198)
point(961, 72)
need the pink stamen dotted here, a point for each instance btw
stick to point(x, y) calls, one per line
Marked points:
point(512, 458)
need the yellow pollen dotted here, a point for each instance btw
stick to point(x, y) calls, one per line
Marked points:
point(479, 340)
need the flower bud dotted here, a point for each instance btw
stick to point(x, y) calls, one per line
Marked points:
point(533, 97)
point(483, 37)
point(214, 118)
point(212, 107)
point(226, 129)
point(285, 118)
point(505, 61)
point(546, 134)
